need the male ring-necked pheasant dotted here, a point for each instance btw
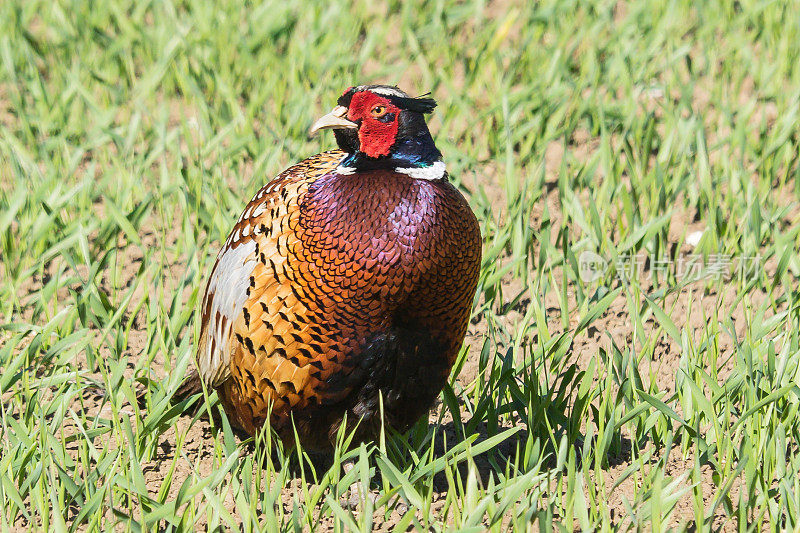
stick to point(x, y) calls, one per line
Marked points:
point(347, 278)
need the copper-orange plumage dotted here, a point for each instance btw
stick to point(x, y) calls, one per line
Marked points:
point(347, 279)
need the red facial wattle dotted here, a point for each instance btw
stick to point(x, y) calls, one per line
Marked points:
point(376, 137)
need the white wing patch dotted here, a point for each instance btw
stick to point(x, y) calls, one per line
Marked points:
point(227, 292)
point(224, 300)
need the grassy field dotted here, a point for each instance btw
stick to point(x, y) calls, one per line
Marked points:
point(633, 360)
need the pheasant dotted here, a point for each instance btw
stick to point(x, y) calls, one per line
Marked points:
point(344, 290)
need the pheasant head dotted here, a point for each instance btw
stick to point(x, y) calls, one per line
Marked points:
point(380, 126)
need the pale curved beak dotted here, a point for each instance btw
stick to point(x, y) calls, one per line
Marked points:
point(333, 120)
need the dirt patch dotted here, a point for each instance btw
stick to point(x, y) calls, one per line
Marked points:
point(7, 116)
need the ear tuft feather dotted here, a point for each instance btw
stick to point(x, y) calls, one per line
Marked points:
point(419, 105)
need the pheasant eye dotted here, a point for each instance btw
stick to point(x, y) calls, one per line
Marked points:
point(378, 111)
